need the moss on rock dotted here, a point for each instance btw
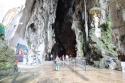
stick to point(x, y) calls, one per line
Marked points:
point(102, 46)
point(7, 60)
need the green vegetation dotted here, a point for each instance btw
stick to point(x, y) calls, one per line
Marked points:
point(8, 64)
point(102, 48)
point(2, 31)
point(29, 43)
point(1, 25)
point(107, 37)
point(7, 59)
point(104, 0)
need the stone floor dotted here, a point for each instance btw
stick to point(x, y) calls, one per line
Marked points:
point(46, 73)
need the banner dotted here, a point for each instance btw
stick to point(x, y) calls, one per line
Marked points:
point(20, 50)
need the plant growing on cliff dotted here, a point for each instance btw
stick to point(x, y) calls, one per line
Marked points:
point(29, 43)
point(102, 48)
point(1, 25)
point(2, 31)
point(107, 36)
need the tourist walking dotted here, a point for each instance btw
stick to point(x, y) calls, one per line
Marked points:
point(67, 58)
point(63, 57)
point(57, 63)
point(51, 56)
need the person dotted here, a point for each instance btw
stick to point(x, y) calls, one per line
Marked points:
point(45, 57)
point(57, 63)
point(34, 60)
point(70, 57)
point(30, 60)
point(67, 58)
point(51, 56)
point(95, 20)
point(63, 57)
point(24, 59)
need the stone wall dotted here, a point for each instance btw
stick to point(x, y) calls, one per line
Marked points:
point(118, 24)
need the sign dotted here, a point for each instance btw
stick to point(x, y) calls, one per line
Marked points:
point(20, 51)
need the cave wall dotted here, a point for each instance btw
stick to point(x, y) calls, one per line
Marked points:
point(116, 11)
point(11, 22)
point(64, 35)
point(39, 30)
point(65, 24)
point(96, 51)
point(36, 29)
point(79, 25)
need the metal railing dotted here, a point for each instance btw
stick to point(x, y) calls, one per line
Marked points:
point(80, 63)
point(7, 77)
point(17, 74)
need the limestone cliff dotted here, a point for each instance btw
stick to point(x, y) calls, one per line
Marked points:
point(36, 28)
point(64, 27)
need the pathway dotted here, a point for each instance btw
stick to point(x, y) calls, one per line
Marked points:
point(46, 73)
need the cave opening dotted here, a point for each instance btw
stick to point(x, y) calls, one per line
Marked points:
point(64, 36)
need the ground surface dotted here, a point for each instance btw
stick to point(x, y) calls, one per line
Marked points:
point(46, 73)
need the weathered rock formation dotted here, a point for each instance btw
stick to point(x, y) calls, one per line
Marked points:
point(63, 27)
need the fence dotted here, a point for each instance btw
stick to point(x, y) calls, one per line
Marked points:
point(80, 63)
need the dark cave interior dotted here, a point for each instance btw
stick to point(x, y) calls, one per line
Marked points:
point(64, 35)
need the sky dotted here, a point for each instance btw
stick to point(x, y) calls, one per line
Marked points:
point(5, 5)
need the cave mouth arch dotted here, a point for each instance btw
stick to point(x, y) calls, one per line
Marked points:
point(64, 35)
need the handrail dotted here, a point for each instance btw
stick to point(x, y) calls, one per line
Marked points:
point(13, 81)
point(81, 62)
point(8, 75)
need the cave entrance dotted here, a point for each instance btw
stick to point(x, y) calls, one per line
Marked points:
point(64, 36)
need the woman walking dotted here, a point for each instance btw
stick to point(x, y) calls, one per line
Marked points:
point(57, 63)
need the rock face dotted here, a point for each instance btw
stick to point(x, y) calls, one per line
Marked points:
point(63, 27)
point(117, 13)
point(64, 35)
point(11, 22)
point(36, 29)
point(98, 52)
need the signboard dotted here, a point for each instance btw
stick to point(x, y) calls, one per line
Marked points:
point(20, 50)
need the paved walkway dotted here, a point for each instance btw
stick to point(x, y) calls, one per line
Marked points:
point(46, 73)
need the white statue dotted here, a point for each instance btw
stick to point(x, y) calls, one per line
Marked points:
point(96, 20)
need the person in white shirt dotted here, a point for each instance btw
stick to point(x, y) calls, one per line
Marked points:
point(51, 56)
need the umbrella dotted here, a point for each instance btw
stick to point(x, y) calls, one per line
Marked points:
point(94, 10)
